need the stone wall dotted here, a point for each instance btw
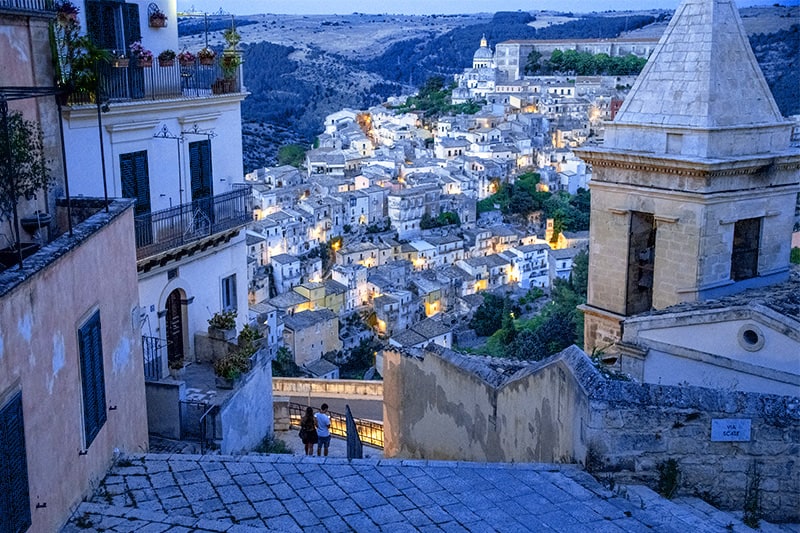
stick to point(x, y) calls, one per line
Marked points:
point(563, 410)
point(247, 416)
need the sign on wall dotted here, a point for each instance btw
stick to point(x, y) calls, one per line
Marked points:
point(730, 429)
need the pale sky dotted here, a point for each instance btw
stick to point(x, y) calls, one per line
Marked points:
point(416, 7)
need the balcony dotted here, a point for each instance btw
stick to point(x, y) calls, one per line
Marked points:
point(28, 7)
point(128, 81)
point(178, 226)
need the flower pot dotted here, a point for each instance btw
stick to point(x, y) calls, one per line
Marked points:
point(158, 22)
point(36, 222)
point(120, 63)
point(166, 62)
point(145, 63)
point(207, 61)
point(222, 334)
point(222, 86)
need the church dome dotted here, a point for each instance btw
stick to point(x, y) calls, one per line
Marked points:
point(483, 56)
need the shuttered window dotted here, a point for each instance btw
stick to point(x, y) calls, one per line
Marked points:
point(200, 169)
point(113, 25)
point(136, 179)
point(15, 508)
point(92, 378)
point(229, 293)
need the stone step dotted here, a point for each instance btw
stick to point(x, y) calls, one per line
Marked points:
point(730, 521)
point(102, 517)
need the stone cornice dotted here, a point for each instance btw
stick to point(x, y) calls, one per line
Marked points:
point(703, 169)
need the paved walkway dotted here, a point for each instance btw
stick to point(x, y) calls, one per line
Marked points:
point(214, 493)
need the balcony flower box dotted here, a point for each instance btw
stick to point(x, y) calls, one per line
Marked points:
point(120, 62)
point(206, 56)
point(186, 58)
point(166, 58)
point(156, 17)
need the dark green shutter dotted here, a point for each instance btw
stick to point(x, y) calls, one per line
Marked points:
point(92, 377)
point(100, 24)
point(135, 179)
point(15, 508)
point(130, 21)
point(200, 169)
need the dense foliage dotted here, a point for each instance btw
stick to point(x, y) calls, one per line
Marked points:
point(559, 325)
point(488, 318)
point(445, 218)
point(778, 55)
point(584, 64)
point(433, 101)
point(292, 154)
point(361, 358)
point(284, 366)
point(570, 212)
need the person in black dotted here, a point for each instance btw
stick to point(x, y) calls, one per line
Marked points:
point(308, 431)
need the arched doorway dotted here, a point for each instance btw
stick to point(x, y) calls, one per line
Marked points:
point(174, 331)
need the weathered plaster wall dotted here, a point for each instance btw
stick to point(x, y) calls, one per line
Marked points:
point(247, 416)
point(39, 321)
point(442, 405)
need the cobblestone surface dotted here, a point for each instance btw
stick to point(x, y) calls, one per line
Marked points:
point(214, 493)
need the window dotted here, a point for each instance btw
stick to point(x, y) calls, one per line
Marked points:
point(15, 508)
point(135, 179)
point(744, 256)
point(90, 346)
point(229, 293)
point(113, 25)
point(200, 169)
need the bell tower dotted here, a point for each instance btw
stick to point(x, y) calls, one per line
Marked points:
point(694, 190)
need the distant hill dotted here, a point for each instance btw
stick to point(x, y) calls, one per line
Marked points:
point(367, 58)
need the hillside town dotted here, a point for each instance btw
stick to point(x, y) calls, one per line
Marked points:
point(381, 221)
point(168, 315)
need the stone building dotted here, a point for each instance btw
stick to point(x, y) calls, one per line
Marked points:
point(311, 334)
point(693, 194)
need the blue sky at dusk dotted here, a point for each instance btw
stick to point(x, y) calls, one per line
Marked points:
point(305, 7)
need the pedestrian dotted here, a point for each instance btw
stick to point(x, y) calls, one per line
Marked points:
point(323, 429)
point(308, 432)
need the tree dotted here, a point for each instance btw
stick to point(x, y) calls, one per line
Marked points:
point(533, 65)
point(23, 168)
point(292, 154)
point(284, 366)
point(488, 317)
point(361, 358)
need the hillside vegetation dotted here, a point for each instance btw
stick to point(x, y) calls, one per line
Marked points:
point(294, 86)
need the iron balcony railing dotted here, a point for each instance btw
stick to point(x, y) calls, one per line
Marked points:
point(180, 225)
point(370, 432)
point(153, 349)
point(125, 80)
point(28, 6)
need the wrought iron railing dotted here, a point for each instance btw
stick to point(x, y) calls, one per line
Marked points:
point(369, 431)
point(128, 80)
point(153, 349)
point(174, 227)
point(28, 6)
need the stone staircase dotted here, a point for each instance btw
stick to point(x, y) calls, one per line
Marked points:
point(288, 493)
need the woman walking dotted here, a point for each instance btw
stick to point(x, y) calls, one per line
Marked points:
point(308, 431)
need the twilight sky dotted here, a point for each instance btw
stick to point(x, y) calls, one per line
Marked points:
point(305, 7)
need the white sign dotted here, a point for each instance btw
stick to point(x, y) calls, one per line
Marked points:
point(730, 429)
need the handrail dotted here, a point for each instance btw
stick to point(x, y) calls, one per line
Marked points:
point(368, 431)
point(163, 230)
point(152, 350)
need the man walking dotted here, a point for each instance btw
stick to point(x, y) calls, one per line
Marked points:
point(323, 429)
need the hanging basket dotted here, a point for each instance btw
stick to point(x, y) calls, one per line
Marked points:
point(166, 62)
point(158, 21)
point(145, 63)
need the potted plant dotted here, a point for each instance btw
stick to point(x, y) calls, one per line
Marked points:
point(231, 37)
point(166, 58)
point(143, 56)
point(251, 341)
point(186, 58)
point(229, 368)
point(30, 175)
point(176, 368)
point(157, 18)
point(206, 56)
point(118, 60)
point(78, 56)
point(222, 325)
